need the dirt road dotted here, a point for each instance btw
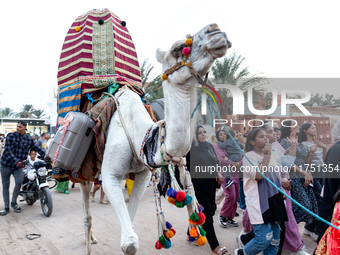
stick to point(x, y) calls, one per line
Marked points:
point(63, 232)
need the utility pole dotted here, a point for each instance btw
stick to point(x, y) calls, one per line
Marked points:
point(2, 128)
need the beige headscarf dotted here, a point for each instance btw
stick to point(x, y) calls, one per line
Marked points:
point(336, 132)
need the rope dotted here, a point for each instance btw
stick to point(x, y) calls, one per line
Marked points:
point(292, 199)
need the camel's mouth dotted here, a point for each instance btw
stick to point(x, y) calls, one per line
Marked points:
point(218, 44)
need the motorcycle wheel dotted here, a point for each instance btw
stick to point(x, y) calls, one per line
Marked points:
point(46, 201)
point(30, 201)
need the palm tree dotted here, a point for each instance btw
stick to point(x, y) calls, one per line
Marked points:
point(26, 111)
point(39, 113)
point(7, 112)
point(153, 90)
point(228, 71)
point(145, 71)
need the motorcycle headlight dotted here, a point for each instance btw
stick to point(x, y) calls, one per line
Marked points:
point(31, 175)
point(42, 171)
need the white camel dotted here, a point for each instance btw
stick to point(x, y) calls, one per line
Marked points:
point(179, 93)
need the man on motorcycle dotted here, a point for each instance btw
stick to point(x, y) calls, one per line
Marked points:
point(16, 150)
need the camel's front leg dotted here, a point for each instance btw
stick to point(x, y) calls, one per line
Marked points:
point(112, 185)
point(139, 186)
point(89, 238)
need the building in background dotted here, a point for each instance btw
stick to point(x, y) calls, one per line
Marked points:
point(34, 126)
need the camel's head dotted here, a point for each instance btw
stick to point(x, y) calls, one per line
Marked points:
point(208, 44)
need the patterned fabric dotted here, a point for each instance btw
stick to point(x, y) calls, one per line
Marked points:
point(101, 113)
point(69, 99)
point(330, 242)
point(77, 54)
point(304, 195)
point(16, 149)
point(103, 52)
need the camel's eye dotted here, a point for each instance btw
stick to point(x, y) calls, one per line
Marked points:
point(177, 52)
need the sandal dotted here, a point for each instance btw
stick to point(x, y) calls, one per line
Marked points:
point(91, 197)
point(4, 212)
point(104, 202)
point(16, 208)
point(221, 251)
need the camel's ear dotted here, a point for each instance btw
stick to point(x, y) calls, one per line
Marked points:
point(160, 55)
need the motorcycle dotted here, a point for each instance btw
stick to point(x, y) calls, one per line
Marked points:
point(37, 187)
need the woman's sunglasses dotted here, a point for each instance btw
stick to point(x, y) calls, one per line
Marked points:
point(277, 129)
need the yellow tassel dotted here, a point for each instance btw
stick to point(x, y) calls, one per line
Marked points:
point(183, 63)
point(169, 234)
point(188, 41)
point(188, 64)
point(78, 29)
point(187, 55)
point(201, 241)
point(164, 77)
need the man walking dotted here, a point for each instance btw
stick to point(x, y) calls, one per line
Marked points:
point(16, 150)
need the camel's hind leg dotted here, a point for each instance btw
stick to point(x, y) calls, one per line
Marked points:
point(139, 186)
point(89, 238)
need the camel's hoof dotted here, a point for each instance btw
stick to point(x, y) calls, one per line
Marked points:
point(130, 246)
point(94, 241)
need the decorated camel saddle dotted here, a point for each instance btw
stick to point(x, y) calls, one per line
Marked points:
point(97, 59)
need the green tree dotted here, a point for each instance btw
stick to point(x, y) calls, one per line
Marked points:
point(26, 111)
point(229, 71)
point(7, 112)
point(153, 90)
point(145, 71)
point(39, 113)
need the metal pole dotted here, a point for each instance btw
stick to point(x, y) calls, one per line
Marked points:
point(1, 115)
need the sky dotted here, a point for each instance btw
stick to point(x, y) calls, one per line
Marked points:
point(281, 39)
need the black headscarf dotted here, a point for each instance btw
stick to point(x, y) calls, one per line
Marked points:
point(200, 146)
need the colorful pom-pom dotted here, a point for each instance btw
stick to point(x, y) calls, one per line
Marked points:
point(168, 225)
point(187, 200)
point(169, 234)
point(167, 244)
point(173, 194)
point(191, 239)
point(194, 217)
point(171, 201)
point(201, 241)
point(100, 22)
point(186, 51)
point(161, 239)
point(164, 77)
point(188, 41)
point(202, 232)
point(173, 231)
point(123, 23)
point(168, 192)
point(193, 232)
point(180, 196)
point(78, 29)
point(201, 217)
point(180, 204)
point(158, 245)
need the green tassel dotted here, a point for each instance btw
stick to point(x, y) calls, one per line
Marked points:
point(202, 231)
point(162, 239)
point(194, 217)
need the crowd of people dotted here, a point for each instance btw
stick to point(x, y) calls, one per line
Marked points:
point(296, 162)
point(290, 157)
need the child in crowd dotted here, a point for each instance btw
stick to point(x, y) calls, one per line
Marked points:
point(265, 204)
point(235, 155)
point(32, 158)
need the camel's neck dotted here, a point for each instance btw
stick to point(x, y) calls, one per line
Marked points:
point(178, 100)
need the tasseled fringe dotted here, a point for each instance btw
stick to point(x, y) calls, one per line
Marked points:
point(165, 230)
